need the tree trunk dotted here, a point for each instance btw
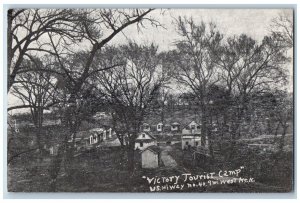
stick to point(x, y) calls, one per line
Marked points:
point(282, 139)
point(281, 145)
point(9, 47)
point(236, 125)
point(55, 167)
point(130, 156)
point(210, 146)
point(66, 153)
point(276, 133)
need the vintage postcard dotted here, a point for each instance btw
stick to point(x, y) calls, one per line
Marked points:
point(150, 100)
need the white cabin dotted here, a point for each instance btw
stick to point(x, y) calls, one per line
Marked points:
point(175, 126)
point(144, 140)
point(146, 127)
point(151, 157)
point(159, 127)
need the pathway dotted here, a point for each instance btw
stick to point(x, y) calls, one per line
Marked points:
point(166, 158)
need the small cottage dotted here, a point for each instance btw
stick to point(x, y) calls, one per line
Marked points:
point(159, 127)
point(151, 157)
point(96, 135)
point(144, 140)
point(93, 138)
point(192, 128)
point(175, 127)
point(146, 127)
point(188, 141)
point(85, 140)
point(53, 150)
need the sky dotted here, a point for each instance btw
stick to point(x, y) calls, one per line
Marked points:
point(253, 22)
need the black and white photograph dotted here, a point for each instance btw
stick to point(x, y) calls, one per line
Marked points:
point(150, 100)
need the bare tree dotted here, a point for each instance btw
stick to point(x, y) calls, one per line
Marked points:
point(196, 69)
point(132, 88)
point(283, 28)
point(27, 31)
point(247, 66)
point(37, 92)
point(99, 27)
point(283, 112)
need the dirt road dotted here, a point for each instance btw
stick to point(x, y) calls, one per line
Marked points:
point(167, 160)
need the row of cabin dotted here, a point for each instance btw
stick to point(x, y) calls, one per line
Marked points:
point(174, 127)
point(151, 153)
point(102, 137)
point(190, 136)
point(144, 140)
point(99, 135)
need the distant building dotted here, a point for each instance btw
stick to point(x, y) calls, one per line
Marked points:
point(151, 157)
point(146, 127)
point(96, 137)
point(192, 137)
point(175, 127)
point(53, 150)
point(192, 128)
point(159, 127)
point(188, 141)
point(101, 115)
point(144, 140)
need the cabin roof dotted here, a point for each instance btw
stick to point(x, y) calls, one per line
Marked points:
point(96, 130)
point(155, 149)
point(144, 139)
point(175, 123)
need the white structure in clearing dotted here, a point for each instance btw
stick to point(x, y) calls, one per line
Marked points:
point(175, 126)
point(188, 141)
point(159, 127)
point(144, 140)
point(192, 128)
point(151, 157)
point(99, 134)
point(146, 127)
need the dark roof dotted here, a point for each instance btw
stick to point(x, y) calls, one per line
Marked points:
point(153, 148)
point(150, 135)
point(145, 140)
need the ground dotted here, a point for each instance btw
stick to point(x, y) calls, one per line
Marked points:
point(167, 160)
point(106, 170)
